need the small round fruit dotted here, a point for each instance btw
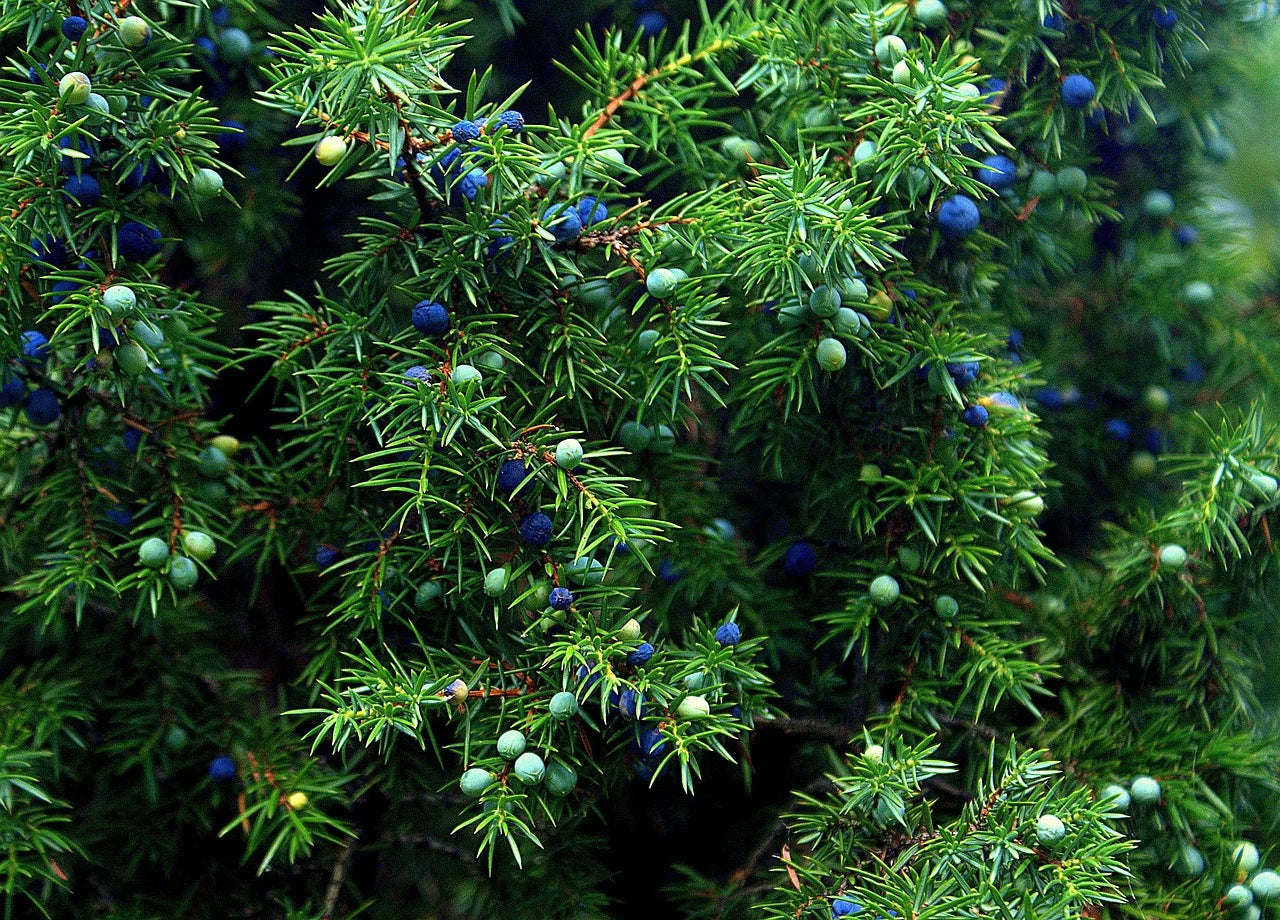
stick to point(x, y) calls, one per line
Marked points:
point(560, 598)
point(475, 781)
point(635, 437)
point(134, 32)
point(1265, 885)
point(176, 737)
point(630, 630)
point(298, 800)
point(563, 706)
point(147, 334)
point(131, 359)
point(511, 744)
point(75, 88)
point(330, 150)
point(1245, 857)
point(153, 553)
point(874, 753)
point(428, 595)
point(824, 301)
point(869, 472)
point(529, 768)
point(831, 355)
point(693, 707)
point(206, 183)
point(183, 573)
point(1156, 399)
point(695, 681)
point(495, 581)
point(222, 769)
point(1191, 862)
point(1078, 91)
point(213, 463)
point(1145, 790)
point(890, 49)
point(1115, 797)
point(661, 283)
point(1198, 294)
point(883, 590)
point(931, 12)
point(199, 545)
point(568, 454)
point(1072, 180)
point(1237, 897)
point(1043, 184)
point(235, 44)
point(946, 607)
point(585, 571)
point(1025, 502)
point(901, 73)
point(1157, 204)
point(864, 151)
point(1142, 464)
point(561, 778)
point(1050, 830)
point(728, 634)
point(118, 299)
point(646, 340)
point(465, 375)
point(1172, 557)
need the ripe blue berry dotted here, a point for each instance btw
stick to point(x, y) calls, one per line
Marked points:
point(651, 743)
point(641, 655)
point(12, 388)
point(326, 555)
point(137, 242)
point(1117, 429)
point(651, 21)
point(35, 347)
point(560, 598)
point(50, 250)
point(1055, 21)
point(511, 120)
point(976, 416)
point(42, 407)
point(800, 559)
point(511, 474)
point(74, 27)
point(1164, 17)
point(535, 529)
point(417, 375)
point(83, 189)
point(563, 222)
point(563, 706)
point(465, 131)
point(998, 172)
point(845, 906)
point(728, 634)
point(1078, 91)
point(1186, 235)
point(222, 769)
point(958, 216)
point(592, 211)
point(430, 318)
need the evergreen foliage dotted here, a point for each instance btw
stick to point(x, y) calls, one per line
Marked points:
point(848, 414)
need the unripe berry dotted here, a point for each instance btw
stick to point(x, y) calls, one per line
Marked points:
point(561, 778)
point(1025, 502)
point(199, 545)
point(1237, 897)
point(1072, 180)
point(1145, 790)
point(235, 44)
point(931, 12)
point(635, 437)
point(495, 582)
point(874, 753)
point(563, 706)
point(1050, 830)
point(831, 355)
point(946, 607)
point(1198, 294)
point(1172, 557)
point(1245, 857)
point(1156, 399)
point(568, 454)
point(511, 744)
point(153, 553)
point(585, 571)
point(1043, 184)
point(213, 463)
point(529, 768)
point(134, 32)
point(229, 445)
point(1191, 862)
point(1265, 885)
point(183, 573)
point(206, 183)
point(428, 595)
point(75, 88)
point(695, 681)
point(824, 301)
point(661, 283)
point(869, 472)
point(883, 590)
point(693, 707)
point(131, 359)
point(901, 73)
point(146, 334)
point(864, 151)
point(1115, 797)
point(646, 340)
point(890, 49)
point(1157, 204)
point(475, 781)
point(464, 375)
point(330, 150)
point(297, 800)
